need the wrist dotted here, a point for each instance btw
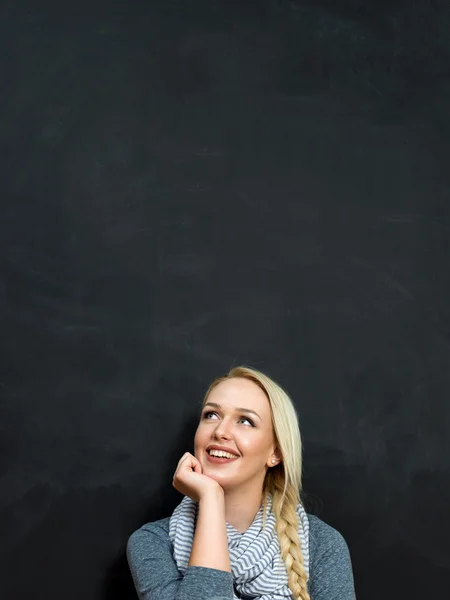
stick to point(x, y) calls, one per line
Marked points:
point(213, 495)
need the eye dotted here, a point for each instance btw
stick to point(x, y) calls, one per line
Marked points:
point(208, 413)
point(248, 420)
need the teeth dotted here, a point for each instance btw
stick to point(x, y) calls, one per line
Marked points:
point(221, 454)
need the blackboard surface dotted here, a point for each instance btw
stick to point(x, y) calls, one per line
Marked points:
point(187, 186)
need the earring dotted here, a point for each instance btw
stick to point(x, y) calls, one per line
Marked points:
point(273, 461)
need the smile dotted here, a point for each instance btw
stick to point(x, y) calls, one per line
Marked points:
point(219, 457)
point(221, 454)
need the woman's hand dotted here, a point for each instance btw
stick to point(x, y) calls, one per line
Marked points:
point(189, 480)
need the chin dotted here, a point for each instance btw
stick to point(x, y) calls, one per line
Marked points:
point(219, 477)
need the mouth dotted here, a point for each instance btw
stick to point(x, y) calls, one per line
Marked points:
point(219, 457)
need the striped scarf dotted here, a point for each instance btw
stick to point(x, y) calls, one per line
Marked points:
point(258, 569)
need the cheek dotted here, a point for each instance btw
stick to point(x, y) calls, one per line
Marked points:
point(200, 436)
point(254, 445)
point(196, 438)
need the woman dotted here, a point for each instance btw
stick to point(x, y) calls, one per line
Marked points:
point(240, 530)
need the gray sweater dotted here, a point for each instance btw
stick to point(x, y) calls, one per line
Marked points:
point(156, 576)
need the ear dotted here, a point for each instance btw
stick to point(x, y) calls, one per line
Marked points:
point(274, 458)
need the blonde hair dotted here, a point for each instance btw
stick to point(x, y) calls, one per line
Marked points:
point(284, 481)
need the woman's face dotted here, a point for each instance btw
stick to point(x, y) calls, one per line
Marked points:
point(236, 417)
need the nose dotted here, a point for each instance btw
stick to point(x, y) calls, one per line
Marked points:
point(223, 431)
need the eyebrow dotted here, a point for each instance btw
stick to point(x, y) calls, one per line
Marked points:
point(237, 409)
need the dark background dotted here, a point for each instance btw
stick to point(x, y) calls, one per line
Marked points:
point(191, 185)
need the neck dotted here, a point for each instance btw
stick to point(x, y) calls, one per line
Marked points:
point(241, 507)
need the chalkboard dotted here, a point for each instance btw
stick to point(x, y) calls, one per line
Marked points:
point(188, 186)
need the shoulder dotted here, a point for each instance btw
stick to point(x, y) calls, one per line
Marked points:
point(331, 574)
point(324, 538)
point(154, 536)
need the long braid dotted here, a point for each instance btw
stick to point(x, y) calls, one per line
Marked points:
point(284, 506)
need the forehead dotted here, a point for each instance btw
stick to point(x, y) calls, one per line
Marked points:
point(239, 392)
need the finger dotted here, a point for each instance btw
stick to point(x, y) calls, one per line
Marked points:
point(198, 467)
point(187, 463)
point(185, 455)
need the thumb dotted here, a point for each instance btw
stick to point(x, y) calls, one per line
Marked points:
point(197, 466)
